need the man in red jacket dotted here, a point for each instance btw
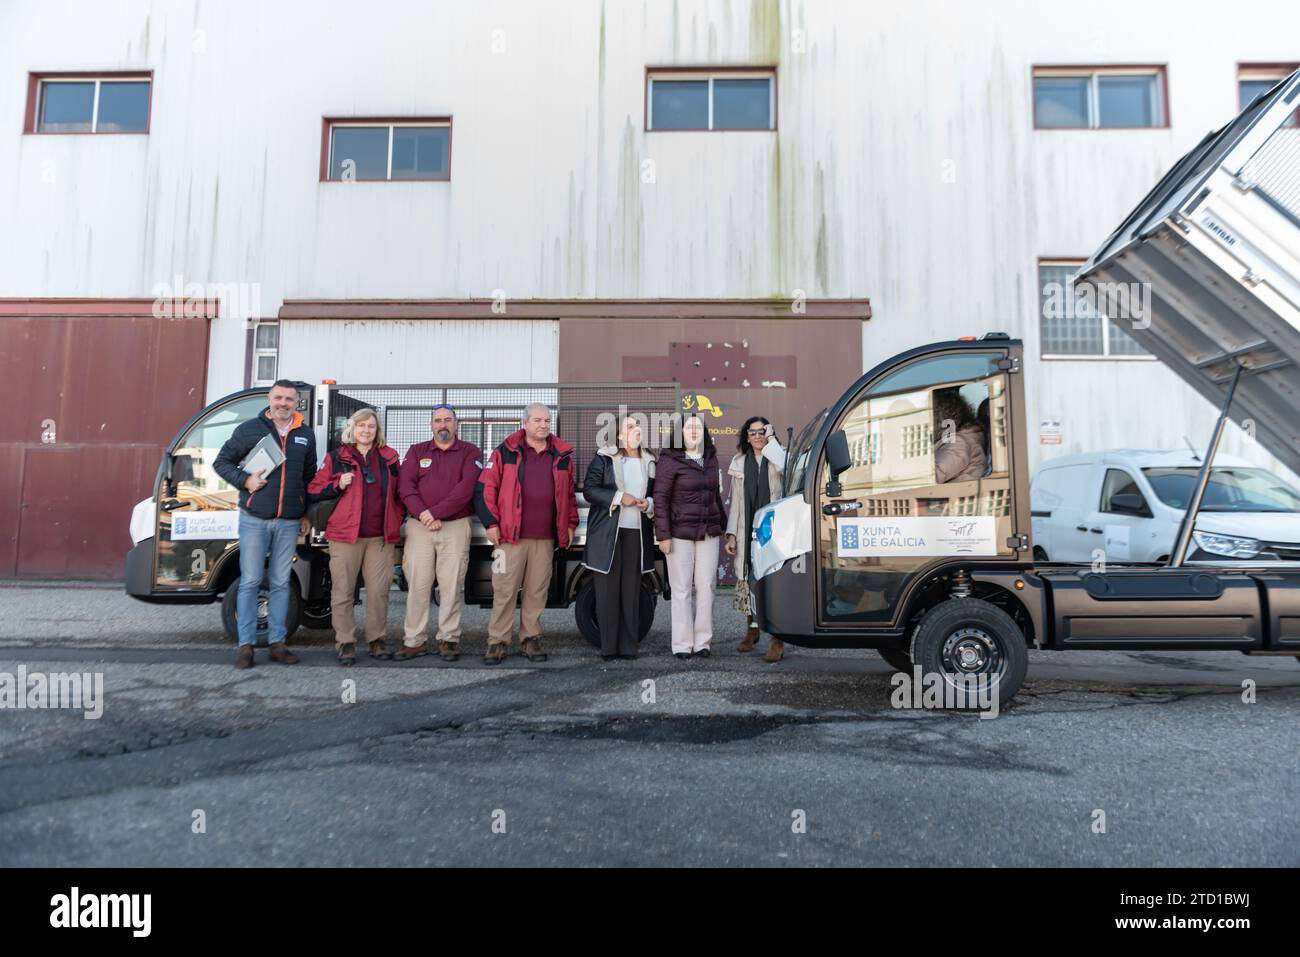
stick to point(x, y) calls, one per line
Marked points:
point(436, 484)
point(525, 499)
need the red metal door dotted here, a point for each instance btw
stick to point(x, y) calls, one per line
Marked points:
point(96, 389)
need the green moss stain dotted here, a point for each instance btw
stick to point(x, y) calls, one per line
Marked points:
point(631, 220)
point(765, 31)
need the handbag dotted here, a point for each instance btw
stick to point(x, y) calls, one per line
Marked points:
point(321, 508)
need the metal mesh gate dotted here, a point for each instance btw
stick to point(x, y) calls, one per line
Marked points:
point(489, 413)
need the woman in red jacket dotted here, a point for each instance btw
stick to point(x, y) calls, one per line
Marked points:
point(363, 530)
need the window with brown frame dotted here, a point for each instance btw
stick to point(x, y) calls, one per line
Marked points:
point(88, 102)
point(1255, 79)
point(1100, 97)
point(710, 99)
point(390, 149)
point(1070, 325)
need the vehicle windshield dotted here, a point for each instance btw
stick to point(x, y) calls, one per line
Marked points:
point(1229, 490)
point(797, 454)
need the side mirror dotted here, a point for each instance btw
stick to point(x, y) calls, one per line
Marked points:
point(837, 453)
point(1130, 503)
point(837, 458)
point(182, 468)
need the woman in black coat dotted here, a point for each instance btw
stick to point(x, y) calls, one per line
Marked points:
point(620, 536)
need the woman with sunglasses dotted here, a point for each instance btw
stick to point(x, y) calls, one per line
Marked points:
point(755, 473)
point(363, 530)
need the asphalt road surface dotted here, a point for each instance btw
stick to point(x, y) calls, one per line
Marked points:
point(1105, 758)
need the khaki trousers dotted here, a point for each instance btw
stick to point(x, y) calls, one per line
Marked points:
point(692, 566)
point(374, 560)
point(527, 566)
point(429, 557)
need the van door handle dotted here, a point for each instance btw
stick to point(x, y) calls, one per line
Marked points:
point(1095, 531)
point(839, 508)
point(1081, 528)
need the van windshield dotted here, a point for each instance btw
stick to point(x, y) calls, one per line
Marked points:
point(797, 454)
point(1229, 490)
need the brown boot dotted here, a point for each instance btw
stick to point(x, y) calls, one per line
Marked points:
point(244, 657)
point(775, 650)
point(281, 654)
point(449, 650)
point(377, 649)
point(496, 653)
point(348, 654)
point(751, 636)
point(407, 652)
point(532, 649)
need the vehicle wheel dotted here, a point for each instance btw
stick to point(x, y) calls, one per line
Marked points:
point(969, 636)
point(319, 620)
point(230, 615)
point(897, 658)
point(584, 611)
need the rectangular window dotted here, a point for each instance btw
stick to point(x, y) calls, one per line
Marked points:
point(1252, 81)
point(1070, 325)
point(81, 103)
point(1080, 98)
point(266, 353)
point(711, 100)
point(380, 150)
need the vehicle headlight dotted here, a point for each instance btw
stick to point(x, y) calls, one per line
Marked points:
point(1227, 545)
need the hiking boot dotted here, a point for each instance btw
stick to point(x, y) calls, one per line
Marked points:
point(282, 655)
point(751, 637)
point(775, 650)
point(449, 650)
point(378, 649)
point(348, 654)
point(244, 657)
point(532, 649)
point(495, 654)
point(407, 652)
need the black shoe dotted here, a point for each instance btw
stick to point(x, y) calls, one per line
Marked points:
point(681, 654)
point(704, 652)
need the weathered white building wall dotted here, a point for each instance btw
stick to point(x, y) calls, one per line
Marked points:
point(422, 352)
point(905, 168)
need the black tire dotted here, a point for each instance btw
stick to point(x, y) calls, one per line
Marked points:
point(969, 636)
point(897, 658)
point(1040, 555)
point(584, 610)
point(320, 621)
point(230, 616)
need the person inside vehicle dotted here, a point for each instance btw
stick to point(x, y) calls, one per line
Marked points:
point(959, 447)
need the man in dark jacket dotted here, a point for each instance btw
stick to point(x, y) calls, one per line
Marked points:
point(272, 515)
point(525, 499)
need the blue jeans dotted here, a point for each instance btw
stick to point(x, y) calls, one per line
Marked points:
point(257, 536)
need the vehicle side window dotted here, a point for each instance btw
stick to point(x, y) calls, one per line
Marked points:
point(1118, 482)
point(187, 561)
point(931, 440)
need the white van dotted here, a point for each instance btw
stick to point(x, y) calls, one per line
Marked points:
point(1126, 505)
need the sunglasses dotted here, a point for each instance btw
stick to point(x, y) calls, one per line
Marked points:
point(758, 431)
point(368, 475)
